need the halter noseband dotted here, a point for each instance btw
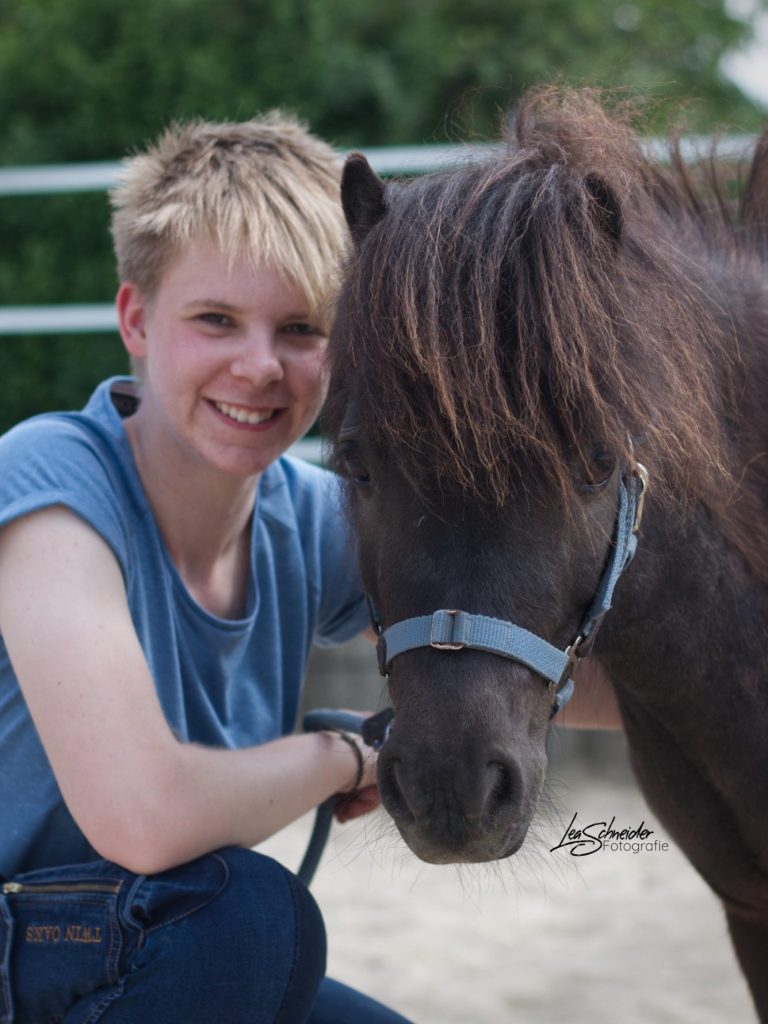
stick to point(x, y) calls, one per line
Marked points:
point(454, 630)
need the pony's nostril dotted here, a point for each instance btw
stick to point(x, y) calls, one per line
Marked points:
point(409, 793)
point(499, 787)
point(492, 790)
point(393, 787)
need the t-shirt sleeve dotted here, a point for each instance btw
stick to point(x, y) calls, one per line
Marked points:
point(53, 460)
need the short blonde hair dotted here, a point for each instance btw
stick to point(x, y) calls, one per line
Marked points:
point(266, 188)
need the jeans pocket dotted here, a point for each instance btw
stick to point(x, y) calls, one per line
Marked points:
point(66, 942)
point(162, 899)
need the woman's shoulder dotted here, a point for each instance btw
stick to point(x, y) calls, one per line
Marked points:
point(95, 429)
point(73, 459)
point(300, 489)
point(54, 447)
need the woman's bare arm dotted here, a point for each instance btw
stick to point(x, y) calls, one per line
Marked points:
point(142, 798)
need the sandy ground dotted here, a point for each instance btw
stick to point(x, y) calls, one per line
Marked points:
point(544, 937)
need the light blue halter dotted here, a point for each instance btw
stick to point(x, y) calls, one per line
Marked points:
point(454, 630)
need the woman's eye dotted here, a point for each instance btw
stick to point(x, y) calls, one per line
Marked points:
point(303, 330)
point(215, 319)
point(598, 469)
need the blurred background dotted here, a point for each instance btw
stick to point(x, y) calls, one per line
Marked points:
point(89, 80)
point(81, 81)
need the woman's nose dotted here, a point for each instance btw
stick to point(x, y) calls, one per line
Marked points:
point(258, 360)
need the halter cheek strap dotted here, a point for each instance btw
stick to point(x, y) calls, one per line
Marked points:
point(454, 630)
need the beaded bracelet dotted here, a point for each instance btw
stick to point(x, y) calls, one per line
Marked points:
point(350, 741)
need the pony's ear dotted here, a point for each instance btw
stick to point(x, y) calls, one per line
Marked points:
point(607, 208)
point(362, 196)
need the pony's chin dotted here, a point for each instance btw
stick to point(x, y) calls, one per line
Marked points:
point(481, 850)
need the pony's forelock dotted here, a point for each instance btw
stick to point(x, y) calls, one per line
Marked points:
point(505, 311)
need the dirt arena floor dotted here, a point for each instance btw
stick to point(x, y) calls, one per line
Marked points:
point(545, 938)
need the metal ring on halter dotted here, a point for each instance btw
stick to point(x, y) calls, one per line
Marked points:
point(643, 478)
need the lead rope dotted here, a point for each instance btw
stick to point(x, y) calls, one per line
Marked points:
point(374, 730)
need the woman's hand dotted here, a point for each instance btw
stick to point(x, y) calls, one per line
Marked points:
point(362, 795)
point(358, 803)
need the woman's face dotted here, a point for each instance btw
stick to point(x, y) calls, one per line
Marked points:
point(234, 365)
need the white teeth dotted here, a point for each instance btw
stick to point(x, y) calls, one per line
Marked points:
point(235, 412)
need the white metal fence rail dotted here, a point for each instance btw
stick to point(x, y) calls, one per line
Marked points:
point(96, 177)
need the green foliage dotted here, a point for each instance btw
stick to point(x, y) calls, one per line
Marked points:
point(91, 79)
point(54, 372)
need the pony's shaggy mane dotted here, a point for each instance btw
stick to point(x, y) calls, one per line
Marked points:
point(566, 292)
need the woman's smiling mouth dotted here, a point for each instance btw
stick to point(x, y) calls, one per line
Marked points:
point(243, 415)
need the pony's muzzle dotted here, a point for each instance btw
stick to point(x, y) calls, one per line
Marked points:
point(451, 810)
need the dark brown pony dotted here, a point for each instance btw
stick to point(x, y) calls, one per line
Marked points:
point(510, 337)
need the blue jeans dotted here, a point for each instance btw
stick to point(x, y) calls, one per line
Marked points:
point(230, 938)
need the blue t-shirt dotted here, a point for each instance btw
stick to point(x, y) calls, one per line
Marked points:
point(221, 682)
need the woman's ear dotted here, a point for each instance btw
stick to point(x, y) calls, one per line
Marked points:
point(131, 316)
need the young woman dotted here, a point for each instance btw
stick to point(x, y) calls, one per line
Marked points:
point(164, 571)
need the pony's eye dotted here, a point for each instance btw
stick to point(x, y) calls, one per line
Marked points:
point(598, 469)
point(357, 473)
point(351, 466)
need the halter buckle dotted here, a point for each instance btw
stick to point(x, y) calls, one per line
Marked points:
point(641, 473)
point(446, 645)
point(381, 655)
point(574, 656)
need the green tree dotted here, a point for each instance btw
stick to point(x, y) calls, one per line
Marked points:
point(91, 79)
